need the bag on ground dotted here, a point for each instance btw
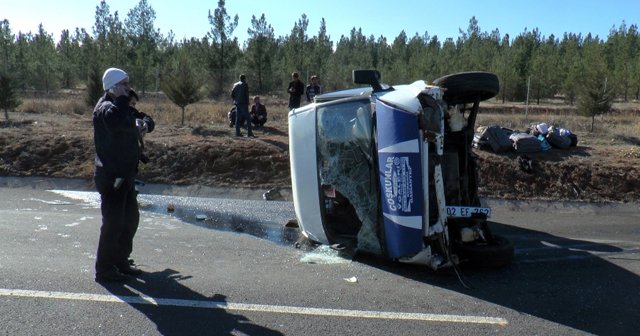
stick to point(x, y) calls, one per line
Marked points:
point(544, 144)
point(525, 142)
point(498, 139)
point(558, 141)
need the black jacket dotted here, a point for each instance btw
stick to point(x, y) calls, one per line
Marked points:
point(296, 90)
point(116, 136)
point(240, 93)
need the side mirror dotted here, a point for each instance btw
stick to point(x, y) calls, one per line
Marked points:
point(370, 77)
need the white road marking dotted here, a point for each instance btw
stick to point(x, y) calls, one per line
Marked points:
point(54, 202)
point(580, 249)
point(582, 239)
point(143, 299)
point(582, 256)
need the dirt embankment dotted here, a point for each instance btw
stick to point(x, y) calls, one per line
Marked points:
point(594, 174)
point(59, 146)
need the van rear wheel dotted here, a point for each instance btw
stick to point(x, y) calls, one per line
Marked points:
point(467, 87)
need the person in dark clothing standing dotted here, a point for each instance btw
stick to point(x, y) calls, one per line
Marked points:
point(117, 131)
point(240, 96)
point(296, 90)
point(313, 89)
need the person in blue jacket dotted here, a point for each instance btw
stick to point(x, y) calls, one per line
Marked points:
point(117, 131)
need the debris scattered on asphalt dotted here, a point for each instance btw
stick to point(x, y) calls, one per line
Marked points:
point(171, 207)
point(292, 223)
point(272, 195)
point(351, 279)
point(324, 254)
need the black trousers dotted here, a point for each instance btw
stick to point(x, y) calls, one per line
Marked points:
point(120, 218)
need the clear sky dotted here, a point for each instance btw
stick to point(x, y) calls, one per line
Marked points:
point(188, 18)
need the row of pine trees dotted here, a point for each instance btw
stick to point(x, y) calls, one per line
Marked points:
point(530, 63)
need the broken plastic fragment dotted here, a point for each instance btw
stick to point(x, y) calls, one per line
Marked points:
point(351, 279)
point(338, 247)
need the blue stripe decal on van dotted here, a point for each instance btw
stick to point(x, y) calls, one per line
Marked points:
point(400, 176)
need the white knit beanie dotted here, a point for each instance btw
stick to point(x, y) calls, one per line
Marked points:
point(111, 77)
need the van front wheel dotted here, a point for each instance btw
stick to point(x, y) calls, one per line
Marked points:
point(498, 253)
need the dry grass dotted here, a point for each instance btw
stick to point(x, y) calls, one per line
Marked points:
point(54, 106)
point(163, 111)
point(204, 112)
point(621, 126)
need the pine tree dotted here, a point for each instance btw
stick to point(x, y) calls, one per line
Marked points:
point(45, 61)
point(224, 49)
point(144, 39)
point(181, 85)
point(322, 49)
point(595, 99)
point(296, 47)
point(8, 98)
point(260, 51)
point(596, 95)
point(94, 85)
point(400, 57)
point(7, 46)
point(69, 51)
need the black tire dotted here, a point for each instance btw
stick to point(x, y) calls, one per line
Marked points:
point(467, 87)
point(497, 254)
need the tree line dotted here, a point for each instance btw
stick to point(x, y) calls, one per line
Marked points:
point(544, 67)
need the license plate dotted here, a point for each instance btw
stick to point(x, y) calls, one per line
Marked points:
point(462, 211)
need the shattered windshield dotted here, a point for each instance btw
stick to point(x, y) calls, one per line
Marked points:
point(346, 169)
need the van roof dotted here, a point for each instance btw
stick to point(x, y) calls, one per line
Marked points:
point(360, 91)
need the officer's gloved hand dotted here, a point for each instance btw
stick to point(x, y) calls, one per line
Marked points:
point(142, 127)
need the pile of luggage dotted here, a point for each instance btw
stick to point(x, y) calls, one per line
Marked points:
point(539, 137)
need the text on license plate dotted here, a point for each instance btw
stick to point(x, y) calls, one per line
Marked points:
point(461, 211)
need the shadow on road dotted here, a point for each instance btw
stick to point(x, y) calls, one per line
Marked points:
point(175, 314)
point(570, 282)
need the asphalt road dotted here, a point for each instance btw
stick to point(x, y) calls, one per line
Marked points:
point(576, 272)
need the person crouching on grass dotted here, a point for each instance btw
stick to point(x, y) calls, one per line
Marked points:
point(117, 143)
point(258, 113)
